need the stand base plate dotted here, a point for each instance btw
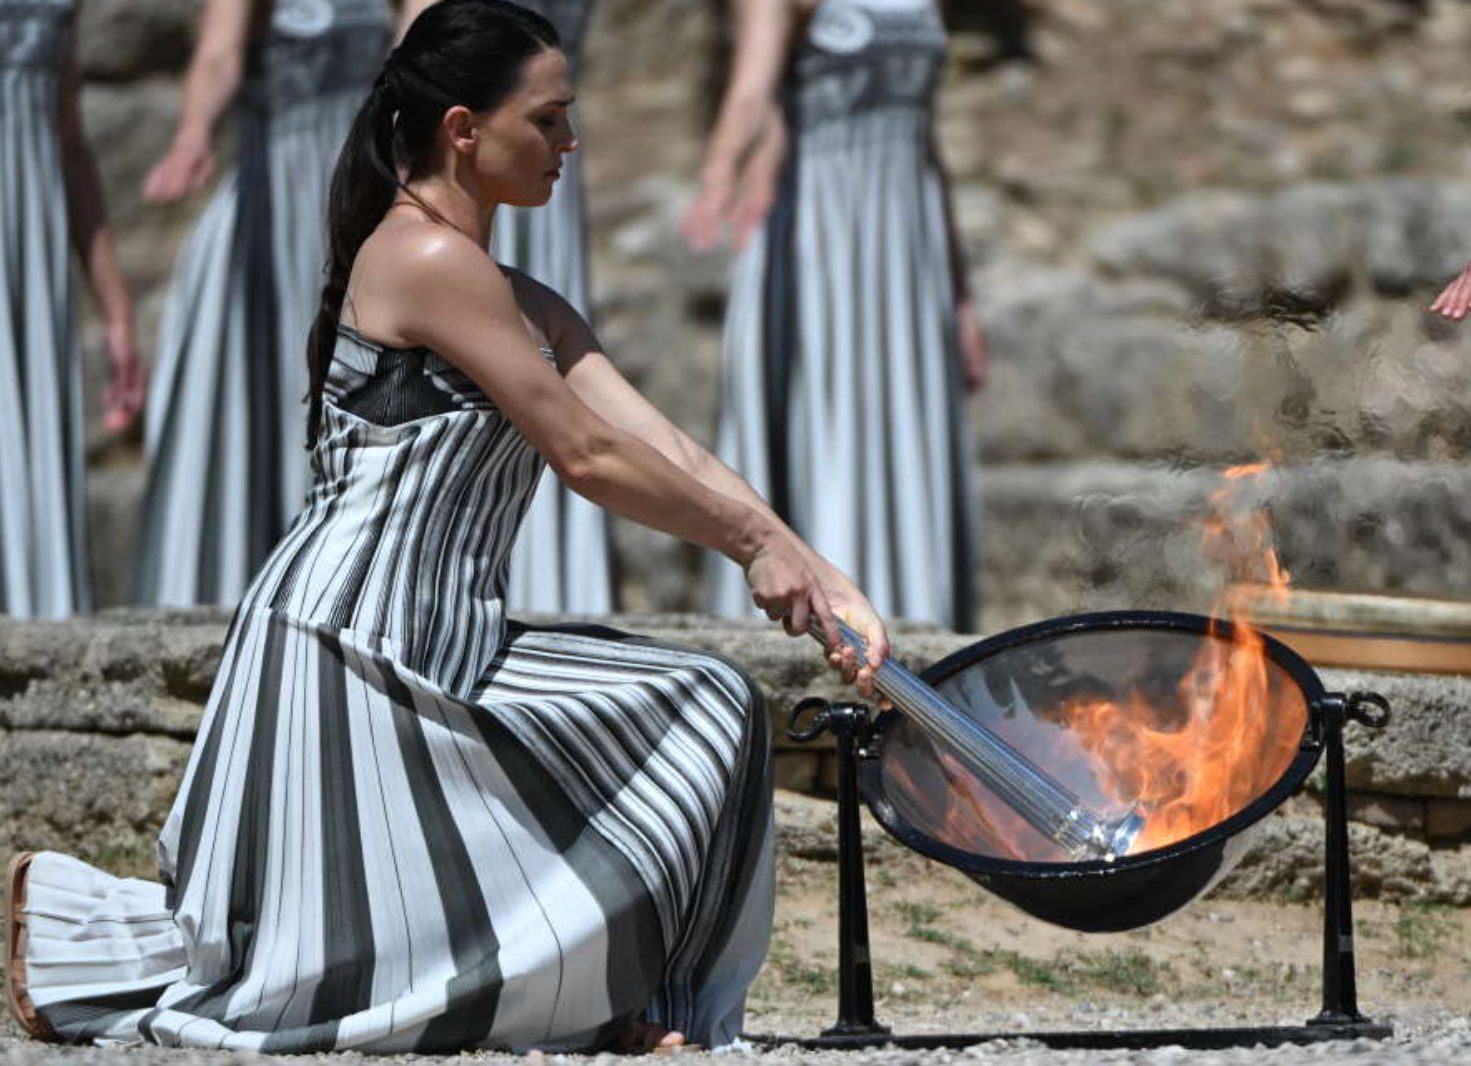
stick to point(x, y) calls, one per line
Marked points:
point(1195, 1039)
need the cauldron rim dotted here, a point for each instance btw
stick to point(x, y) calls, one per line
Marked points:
point(1309, 750)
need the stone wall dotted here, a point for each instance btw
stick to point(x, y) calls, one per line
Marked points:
point(1201, 230)
point(97, 717)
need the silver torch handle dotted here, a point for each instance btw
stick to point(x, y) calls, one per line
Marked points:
point(1041, 801)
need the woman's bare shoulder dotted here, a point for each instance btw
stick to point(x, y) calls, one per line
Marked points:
point(410, 269)
point(414, 250)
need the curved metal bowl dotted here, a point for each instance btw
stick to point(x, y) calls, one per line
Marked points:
point(1093, 896)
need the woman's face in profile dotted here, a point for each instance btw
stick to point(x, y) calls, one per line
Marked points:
point(520, 144)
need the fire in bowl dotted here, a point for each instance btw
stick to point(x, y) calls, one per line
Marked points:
point(1100, 772)
point(1175, 733)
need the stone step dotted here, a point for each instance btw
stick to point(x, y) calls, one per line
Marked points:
point(97, 717)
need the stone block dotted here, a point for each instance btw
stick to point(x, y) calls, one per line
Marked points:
point(1394, 814)
point(795, 771)
point(1425, 751)
point(1156, 374)
point(1448, 821)
point(99, 797)
point(147, 672)
point(1239, 252)
point(114, 511)
point(1285, 861)
point(1417, 232)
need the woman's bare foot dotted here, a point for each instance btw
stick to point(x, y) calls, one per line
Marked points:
point(646, 1038)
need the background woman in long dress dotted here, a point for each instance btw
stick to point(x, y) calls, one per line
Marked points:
point(410, 824)
point(225, 436)
point(50, 203)
point(850, 335)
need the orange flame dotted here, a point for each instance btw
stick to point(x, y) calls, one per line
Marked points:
point(1189, 755)
point(1232, 731)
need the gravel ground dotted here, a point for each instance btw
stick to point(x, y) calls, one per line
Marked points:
point(1427, 1038)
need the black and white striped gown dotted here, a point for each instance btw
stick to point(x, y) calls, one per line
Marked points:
point(410, 824)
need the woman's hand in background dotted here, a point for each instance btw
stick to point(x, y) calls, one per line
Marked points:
point(215, 72)
point(975, 356)
point(187, 168)
point(1455, 298)
point(760, 178)
point(707, 219)
point(122, 401)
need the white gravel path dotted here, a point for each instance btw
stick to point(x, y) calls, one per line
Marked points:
point(1422, 1040)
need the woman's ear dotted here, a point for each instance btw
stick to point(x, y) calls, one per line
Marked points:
point(459, 126)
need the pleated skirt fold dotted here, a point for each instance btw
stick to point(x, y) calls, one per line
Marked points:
point(360, 859)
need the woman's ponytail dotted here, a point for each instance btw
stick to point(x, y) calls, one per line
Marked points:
point(363, 187)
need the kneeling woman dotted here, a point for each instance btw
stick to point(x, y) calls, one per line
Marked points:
point(409, 823)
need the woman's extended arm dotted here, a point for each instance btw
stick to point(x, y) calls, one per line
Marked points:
point(213, 79)
point(92, 241)
point(599, 385)
point(451, 297)
point(760, 177)
point(763, 33)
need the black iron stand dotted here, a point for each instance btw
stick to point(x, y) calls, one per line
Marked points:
point(856, 1026)
point(1340, 989)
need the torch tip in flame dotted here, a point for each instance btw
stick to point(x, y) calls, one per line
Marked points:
point(1126, 831)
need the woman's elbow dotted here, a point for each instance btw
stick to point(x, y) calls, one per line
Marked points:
point(583, 465)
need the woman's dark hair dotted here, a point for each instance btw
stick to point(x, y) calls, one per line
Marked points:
point(465, 52)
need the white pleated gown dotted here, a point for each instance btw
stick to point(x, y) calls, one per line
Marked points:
point(562, 562)
point(226, 420)
point(43, 541)
point(843, 395)
point(409, 824)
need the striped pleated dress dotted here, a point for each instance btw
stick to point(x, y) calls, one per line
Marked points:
point(562, 563)
point(43, 542)
point(409, 824)
point(842, 399)
point(225, 428)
